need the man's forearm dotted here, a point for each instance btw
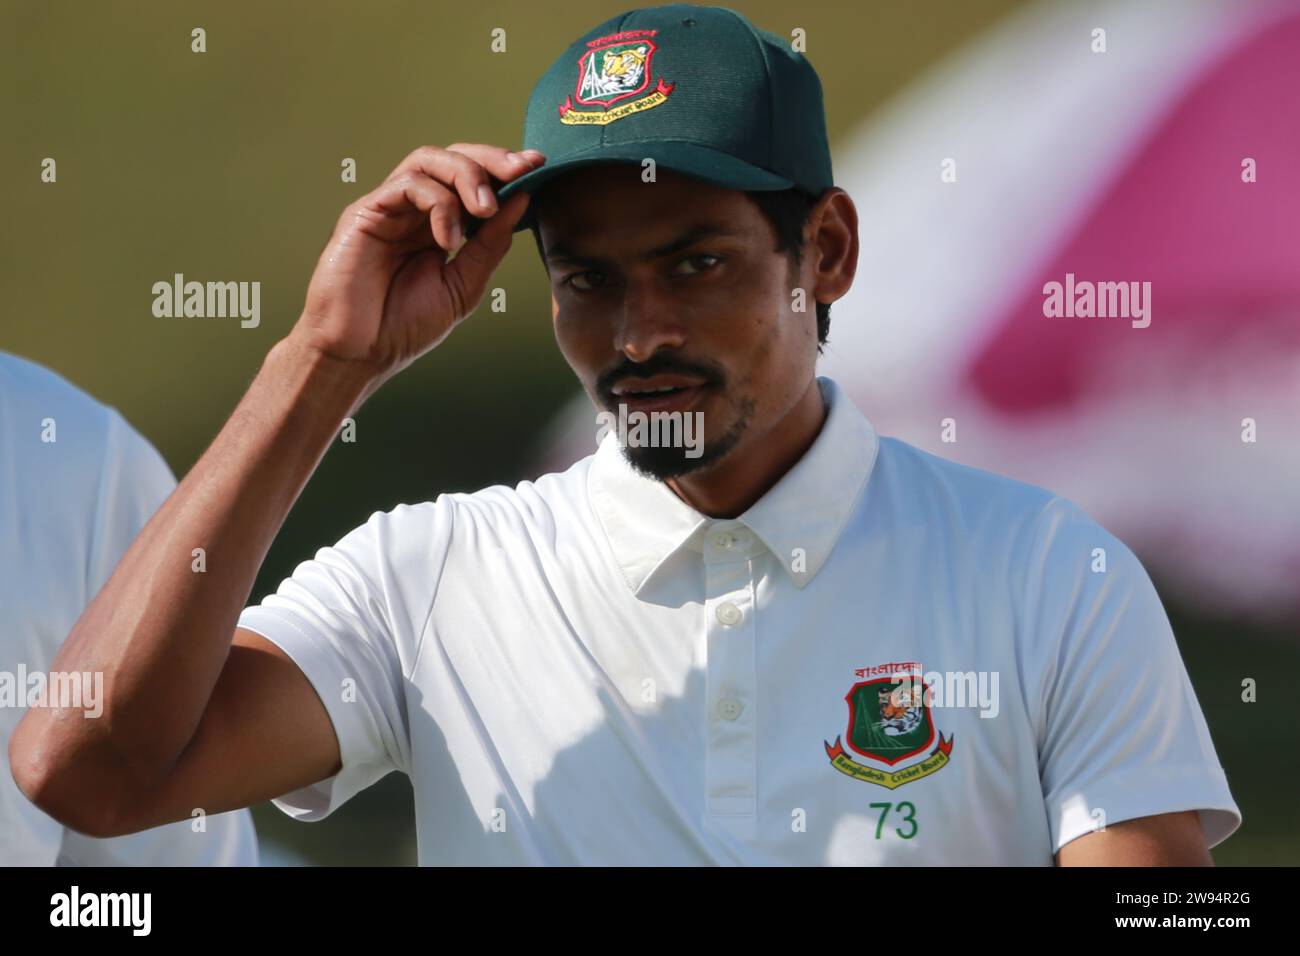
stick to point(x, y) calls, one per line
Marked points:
point(160, 630)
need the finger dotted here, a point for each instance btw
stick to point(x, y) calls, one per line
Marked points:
point(467, 275)
point(502, 163)
point(455, 170)
point(419, 194)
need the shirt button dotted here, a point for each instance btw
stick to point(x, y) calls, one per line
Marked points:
point(729, 709)
point(729, 614)
point(724, 540)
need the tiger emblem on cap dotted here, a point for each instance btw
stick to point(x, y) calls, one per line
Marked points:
point(621, 70)
point(615, 75)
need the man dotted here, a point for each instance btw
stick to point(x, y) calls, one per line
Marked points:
point(647, 658)
point(76, 485)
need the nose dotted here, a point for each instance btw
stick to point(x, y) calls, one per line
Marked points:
point(649, 322)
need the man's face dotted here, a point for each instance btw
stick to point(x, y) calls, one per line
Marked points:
point(677, 285)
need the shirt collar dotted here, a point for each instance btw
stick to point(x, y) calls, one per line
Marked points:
point(801, 516)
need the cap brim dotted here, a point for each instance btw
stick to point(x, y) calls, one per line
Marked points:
point(699, 162)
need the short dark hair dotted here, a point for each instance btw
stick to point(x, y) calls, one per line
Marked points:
point(788, 211)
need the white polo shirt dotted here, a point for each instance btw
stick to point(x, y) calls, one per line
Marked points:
point(585, 670)
point(77, 484)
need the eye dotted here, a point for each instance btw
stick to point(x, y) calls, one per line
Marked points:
point(585, 281)
point(693, 265)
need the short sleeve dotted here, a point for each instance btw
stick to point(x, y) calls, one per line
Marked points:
point(1120, 732)
point(352, 619)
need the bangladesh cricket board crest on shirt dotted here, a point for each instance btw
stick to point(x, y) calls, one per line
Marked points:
point(890, 721)
point(616, 69)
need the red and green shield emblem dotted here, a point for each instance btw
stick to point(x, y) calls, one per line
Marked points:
point(889, 721)
point(615, 69)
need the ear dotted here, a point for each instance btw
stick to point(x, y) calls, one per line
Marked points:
point(832, 244)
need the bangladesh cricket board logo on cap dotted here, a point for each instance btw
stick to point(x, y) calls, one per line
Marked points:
point(889, 722)
point(613, 77)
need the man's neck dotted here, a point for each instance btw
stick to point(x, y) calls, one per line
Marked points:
point(730, 487)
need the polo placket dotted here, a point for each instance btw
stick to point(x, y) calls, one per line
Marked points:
point(731, 797)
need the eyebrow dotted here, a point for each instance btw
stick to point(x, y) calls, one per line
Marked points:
point(561, 253)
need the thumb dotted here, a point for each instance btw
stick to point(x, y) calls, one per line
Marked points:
point(478, 258)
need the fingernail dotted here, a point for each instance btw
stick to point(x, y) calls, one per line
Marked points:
point(534, 156)
point(486, 198)
point(456, 235)
point(516, 158)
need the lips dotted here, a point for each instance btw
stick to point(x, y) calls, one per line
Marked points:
point(659, 393)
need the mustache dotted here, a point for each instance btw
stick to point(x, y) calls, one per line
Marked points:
point(657, 365)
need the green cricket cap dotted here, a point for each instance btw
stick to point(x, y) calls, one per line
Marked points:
point(700, 90)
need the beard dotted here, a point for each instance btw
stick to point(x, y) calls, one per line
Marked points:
point(663, 462)
point(660, 462)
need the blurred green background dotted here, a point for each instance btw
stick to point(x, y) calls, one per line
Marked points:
point(225, 166)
